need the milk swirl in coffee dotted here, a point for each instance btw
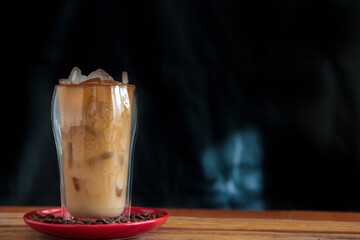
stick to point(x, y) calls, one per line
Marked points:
point(95, 127)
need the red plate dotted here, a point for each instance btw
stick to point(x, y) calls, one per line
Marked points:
point(106, 231)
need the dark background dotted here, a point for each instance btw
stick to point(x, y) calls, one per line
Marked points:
point(242, 104)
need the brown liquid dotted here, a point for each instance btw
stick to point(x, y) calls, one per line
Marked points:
point(95, 125)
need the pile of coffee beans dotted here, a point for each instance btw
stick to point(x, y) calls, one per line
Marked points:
point(134, 217)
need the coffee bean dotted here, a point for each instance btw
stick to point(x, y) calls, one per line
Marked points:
point(35, 217)
point(46, 220)
point(101, 220)
point(58, 220)
point(140, 217)
point(71, 221)
point(124, 220)
point(87, 221)
point(78, 222)
point(49, 216)
point(39, 216)
point(134, 217)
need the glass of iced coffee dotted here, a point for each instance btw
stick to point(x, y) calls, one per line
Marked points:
point(94, 123)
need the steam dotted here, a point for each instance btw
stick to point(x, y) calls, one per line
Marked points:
point(234, 171)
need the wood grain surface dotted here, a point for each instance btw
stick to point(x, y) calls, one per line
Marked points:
point(205, 224)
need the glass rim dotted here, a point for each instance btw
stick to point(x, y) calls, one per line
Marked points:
point(117, 84)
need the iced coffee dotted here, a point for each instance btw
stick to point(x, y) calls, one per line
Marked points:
point(95, 128)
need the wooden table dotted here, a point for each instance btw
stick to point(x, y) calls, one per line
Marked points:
point(220, 224)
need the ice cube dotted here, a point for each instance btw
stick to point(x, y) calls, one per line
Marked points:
point(118, 185)
point(83, 78)
point(125, 78)
point(100, 158)
point(64, 81)
point(91, 81)
point(75, 75)
point(76, 183)
point(96, 77)
point(99, 73)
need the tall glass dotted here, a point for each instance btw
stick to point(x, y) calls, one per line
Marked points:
point(94, 128)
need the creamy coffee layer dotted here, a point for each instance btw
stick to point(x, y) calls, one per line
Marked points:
point(95, 122)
